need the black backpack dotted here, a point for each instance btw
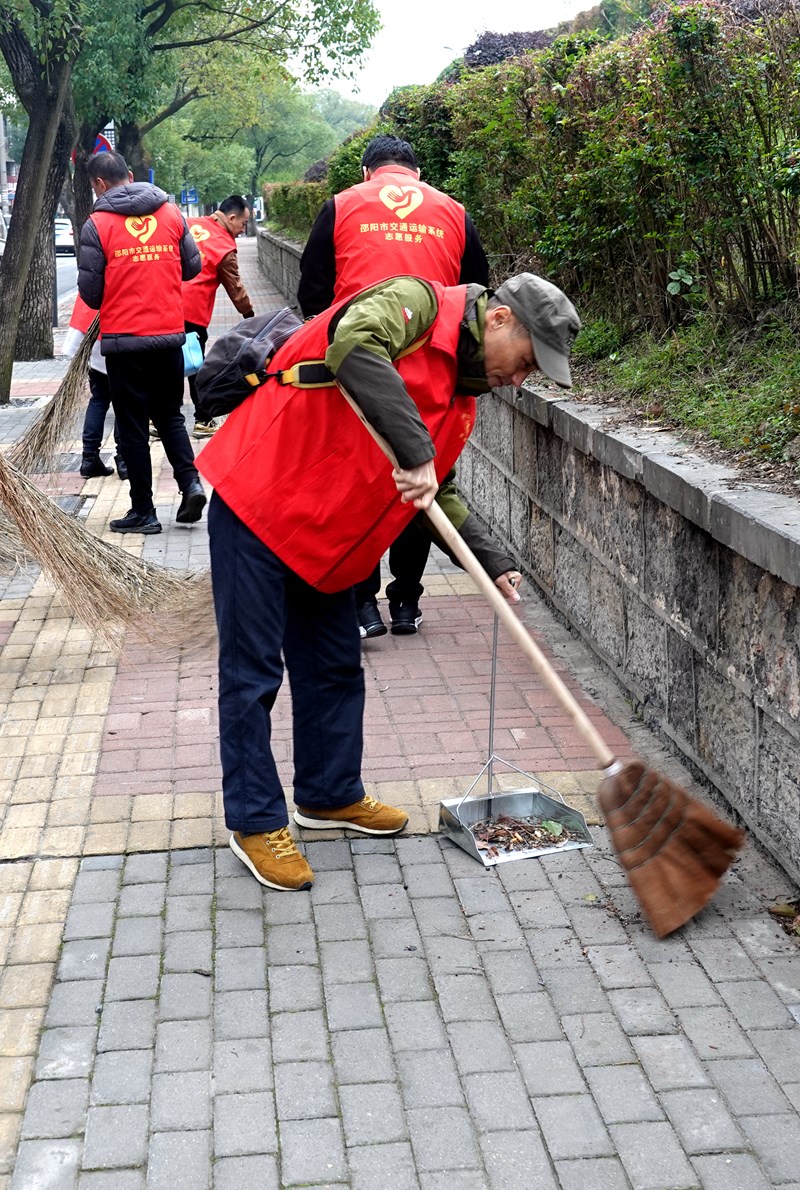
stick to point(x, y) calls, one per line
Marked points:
point(238, 361)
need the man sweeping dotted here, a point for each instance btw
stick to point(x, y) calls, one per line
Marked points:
point(304, 505)
point(215, 236)
point(135, 250)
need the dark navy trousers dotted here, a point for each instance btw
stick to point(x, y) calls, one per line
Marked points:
point(266, 615)
point(408, 557)
point(148, 386)
point(94, 422)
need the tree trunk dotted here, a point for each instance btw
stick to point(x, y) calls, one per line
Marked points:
point(252, 227)
point(45, 119)
point(67, 199)
point(81, 187)
point(35, 331)
point(134, 152)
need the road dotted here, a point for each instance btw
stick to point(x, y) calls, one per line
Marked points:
point(67, 274)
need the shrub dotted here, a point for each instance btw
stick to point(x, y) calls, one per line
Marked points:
point(294, 205)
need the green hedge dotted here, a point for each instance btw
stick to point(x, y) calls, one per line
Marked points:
point(293, 206)
point(653, 175)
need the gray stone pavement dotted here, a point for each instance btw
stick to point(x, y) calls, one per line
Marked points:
point(412, 1021)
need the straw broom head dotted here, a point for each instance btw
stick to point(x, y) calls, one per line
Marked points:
point(37, 448)
point(11, 551)
point(674, 849)
point(101, 585)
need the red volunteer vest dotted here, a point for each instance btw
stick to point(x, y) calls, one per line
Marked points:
point(300, 470)
point(82, 316)
point(214, 243)
point(396, 224)
point(142, 294)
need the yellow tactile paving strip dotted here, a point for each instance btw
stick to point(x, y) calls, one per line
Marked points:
point(34, 898)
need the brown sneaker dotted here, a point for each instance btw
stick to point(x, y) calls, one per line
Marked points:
point(273, 859)
point(368, 816)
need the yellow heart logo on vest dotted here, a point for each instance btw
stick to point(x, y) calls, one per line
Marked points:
point(199, 233)
point(141, 227)
point(401, 199)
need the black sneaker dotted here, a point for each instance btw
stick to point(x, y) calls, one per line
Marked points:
point(369, 620)
point(192, 504)
point(122, 470)
point(137, 522)
point(406, 618)
point(92, 467)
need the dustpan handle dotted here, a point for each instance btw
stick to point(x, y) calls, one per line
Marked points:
point(519, 634)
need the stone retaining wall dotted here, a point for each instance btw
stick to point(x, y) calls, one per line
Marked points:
point(279, 260)
point(682, 578)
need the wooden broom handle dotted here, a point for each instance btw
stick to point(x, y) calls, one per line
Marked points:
point(455, 542)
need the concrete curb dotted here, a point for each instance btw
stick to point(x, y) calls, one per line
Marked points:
point(764, 527)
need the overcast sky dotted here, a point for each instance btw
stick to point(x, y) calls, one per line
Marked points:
point(420, 37)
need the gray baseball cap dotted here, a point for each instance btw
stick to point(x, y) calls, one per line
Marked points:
point(550, 318)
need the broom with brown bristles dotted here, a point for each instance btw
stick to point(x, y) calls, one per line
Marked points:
point(36, 450)
point(104, 587)
point(11, 551)
point(674, 850)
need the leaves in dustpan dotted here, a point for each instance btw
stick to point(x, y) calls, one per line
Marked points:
point(784, 910)
point(788, 914)
point(508, 834)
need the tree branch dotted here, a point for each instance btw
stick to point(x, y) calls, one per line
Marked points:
point(178, 102)
point(277, 156)
point(216, 38)
point(168, 9)
point(20, 59)
point(171, 7)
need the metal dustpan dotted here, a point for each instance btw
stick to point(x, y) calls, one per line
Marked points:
point(457, 816)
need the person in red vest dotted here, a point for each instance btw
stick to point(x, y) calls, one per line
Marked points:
point(304, 505)
point(215, 236)
point(135, 251)
point(388, 224)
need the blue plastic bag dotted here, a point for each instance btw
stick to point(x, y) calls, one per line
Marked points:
point(192, 354)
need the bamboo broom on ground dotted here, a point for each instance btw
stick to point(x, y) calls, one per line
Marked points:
point(673, 848)
point(103, 586)
point(36, 450)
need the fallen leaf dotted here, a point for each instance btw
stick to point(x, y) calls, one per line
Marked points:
point(784, 910)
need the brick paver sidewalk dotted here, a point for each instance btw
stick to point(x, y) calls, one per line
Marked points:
point(414, 1021)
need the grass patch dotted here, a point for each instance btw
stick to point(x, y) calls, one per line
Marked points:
point(740, 387)
point(287, 230)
